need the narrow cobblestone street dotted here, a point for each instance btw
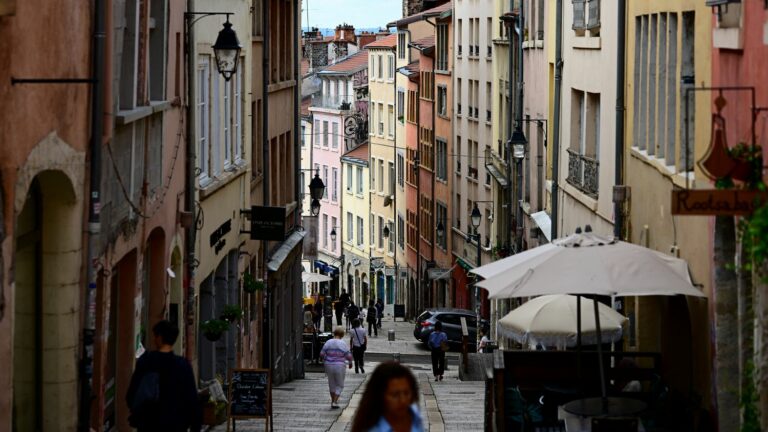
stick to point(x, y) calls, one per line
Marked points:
point(304, 405)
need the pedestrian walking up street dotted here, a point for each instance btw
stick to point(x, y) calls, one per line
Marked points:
point(438, 345)
point(337, 356)
point(359, 342)
point(162, 395)
point(379, 312)
point(353, 312)
point(371, 317)
point(390, 402)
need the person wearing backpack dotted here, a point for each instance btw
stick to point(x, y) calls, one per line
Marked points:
point(162, 395)
point(371, 316)
point(358, 340)
point(353, 312)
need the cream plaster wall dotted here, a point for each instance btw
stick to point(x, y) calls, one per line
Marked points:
point(590, 70)
point(651, 183)
point(381, 148)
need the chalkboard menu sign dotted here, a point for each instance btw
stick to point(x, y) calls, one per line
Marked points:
point(249, 393)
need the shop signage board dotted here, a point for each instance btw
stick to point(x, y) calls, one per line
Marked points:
point(267, 223)
point(716, 202)
point(250, 395)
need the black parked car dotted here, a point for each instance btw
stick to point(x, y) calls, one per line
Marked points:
point(451, 319)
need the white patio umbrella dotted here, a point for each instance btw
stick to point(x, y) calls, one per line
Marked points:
point(550, 320)
point(585, 263)
point(308, 277)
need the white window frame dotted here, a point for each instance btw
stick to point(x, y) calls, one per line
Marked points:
point(203, 118)
point(239, 109)
point(215, 127)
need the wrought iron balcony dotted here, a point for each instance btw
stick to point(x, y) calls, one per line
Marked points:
point(583, 173)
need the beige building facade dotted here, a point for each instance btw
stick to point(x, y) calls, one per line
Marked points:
point(382, 150)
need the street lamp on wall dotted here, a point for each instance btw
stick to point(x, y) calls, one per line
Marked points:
point(314, 207)
point(316, 188)
point(227, 51)
point(476, 217)
point(333, 234)
point(518, 141)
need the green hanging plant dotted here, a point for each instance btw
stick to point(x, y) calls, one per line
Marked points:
point(750, 401)
point(213, 328)
point(231, 313)
point(251, 284)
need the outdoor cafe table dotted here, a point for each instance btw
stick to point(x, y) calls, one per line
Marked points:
point(578, 414)
point(611, 406)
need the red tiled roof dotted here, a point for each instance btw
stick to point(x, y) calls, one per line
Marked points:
point(352, 63)
point(426, 42)
point(413, 67)
point(435, 11)
point(360, 152)
point(385, 42)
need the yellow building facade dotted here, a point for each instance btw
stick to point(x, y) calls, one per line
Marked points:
point(382, 159)
point(668, 50)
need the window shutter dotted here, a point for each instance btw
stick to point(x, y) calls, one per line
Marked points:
point(578, 14)
point(594, 14)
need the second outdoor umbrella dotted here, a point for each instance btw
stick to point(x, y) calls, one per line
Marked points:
point(550, 320)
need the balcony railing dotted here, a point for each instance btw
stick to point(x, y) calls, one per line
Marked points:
point(583, 173)
point(342, 103)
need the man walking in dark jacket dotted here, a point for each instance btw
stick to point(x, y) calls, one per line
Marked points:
point(162, 395)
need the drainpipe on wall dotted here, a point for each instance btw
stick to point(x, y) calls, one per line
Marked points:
point(189, 184)
point(298, 136)
point(394, 192)
point(508, 144)
point(618, 205)
point(265, 166)
point(556, 122)
point(519, 126)
point(94, 219)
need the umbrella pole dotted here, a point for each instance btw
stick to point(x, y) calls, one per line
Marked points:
point(600, 352)
point(578, 342)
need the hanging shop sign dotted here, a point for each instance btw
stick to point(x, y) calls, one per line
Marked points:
point(725, 165)
point(717, 202)
point(217, 238)
point(267, 223)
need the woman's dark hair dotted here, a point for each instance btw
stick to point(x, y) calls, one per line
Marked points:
point(372, 405)
point(438, 326)
point(355, 323)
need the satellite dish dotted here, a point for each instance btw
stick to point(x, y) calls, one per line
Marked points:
point(387, 200)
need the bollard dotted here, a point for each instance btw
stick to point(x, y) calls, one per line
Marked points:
point(391, 335)
point(396, 357)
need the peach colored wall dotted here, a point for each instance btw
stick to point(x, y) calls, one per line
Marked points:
point(32, 114)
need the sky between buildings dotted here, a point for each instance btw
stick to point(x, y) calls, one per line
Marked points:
point(359, 13)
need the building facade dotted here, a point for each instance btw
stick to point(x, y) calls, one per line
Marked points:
point(656, 163)
point(356, 231)
point(44, 131)
point(381, 85)
point(340, 123)
point(473, 74)
point(740, 46)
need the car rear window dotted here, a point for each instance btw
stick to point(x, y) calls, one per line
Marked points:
point(424, 316)
point(449, 319)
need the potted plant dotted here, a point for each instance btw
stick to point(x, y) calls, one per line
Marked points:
point(231, 313)
point(213, 328)
point(251, 284)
